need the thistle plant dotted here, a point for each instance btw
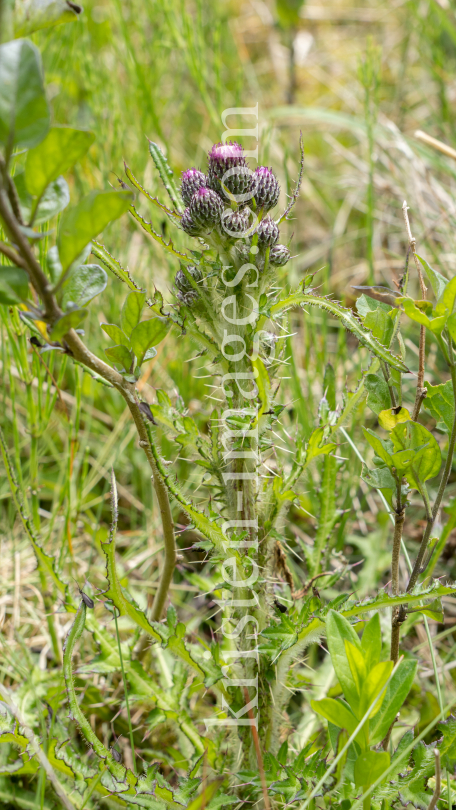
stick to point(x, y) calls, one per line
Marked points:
point(230, 297)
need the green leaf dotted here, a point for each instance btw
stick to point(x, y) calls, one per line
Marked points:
point(415, 314)
point(372, 686)
point(54, 200)
point(395, 695)
point(329, 386)
point(114, 266)
point(55, 155)
point(116, 334)
point(166, 174)
point(38, 14)
point(428, 458)
point(121, 355)
point(449, 295)
point(336, 712)
point(148, 333)
point(24, 111)
point(378, 395)
point(339, 630)
point(380, 478)
point(87, 219)
point(371, 641)
point(131, 311)
point(14, 285)
point(369, 766)
point(84, 284)
point(380, 324)
point(70, 320)
point(391, 417)
point(437, 281)
point(378, 446)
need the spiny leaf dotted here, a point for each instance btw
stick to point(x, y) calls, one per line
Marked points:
point(114, 266)
point(166, 174)
point(172, 214)
point(347, 318)
point(147, 226)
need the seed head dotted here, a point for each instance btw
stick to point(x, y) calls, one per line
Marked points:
point(206, 208)
point(192, 180)
point(267, 189)
point(268, 232)
point(229, 158)
point(279, 255)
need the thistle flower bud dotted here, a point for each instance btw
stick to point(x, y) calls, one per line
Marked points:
point(206, 207)
point(268, 232)
point(189, 225)
point(181, 281)
point(227, 165)
point(188, 298)
point(192, 180)
point(267, 189)
point(279, 255)
point(235, 223)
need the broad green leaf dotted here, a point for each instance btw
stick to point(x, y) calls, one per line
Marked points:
point(24, 111)
point(339, 630)
point(54, 200)
point(449, 295)
point(437, 281)
point(14, 285)
point(380, 324)
point(34, 15)
point(380, 478)
point(87, 219)
point(390, 418)
point(435, 325)
point(451, 325)
point(395, 695)
point(70, 320)
point(433, 611)
point(336, 712)
point(365, 304)
point(84, 284)
point(357, 664)
point(54, 156)
point(369, 766)
point(148, 333)
point(121, 355)
point(378, 395)
point(378, 447)
point(372, 686)
point(116, 334)
point(371, 641)
point(428, 459)
point(131, 311)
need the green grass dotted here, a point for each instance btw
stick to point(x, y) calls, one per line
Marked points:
point(166, 71)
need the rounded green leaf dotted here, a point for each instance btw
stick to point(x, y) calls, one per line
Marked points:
point(120, 355)
point(70, 320)
point(147, 334)
point(14, 284)
point(428, 458)
point(369, 766)
point(116, 334)
point(131, 311)
point(55, 155)
point(24, 111)
point(54, 200)
point(85, 282)
point(87, 219)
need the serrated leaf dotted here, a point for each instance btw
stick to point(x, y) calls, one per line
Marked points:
point(114, 266)
point(166, 175)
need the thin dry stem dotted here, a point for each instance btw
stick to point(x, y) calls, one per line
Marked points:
point(420, 389)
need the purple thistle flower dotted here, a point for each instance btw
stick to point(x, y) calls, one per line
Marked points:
point(267, 189)
point(192, 180)
point(206, 208)
point(227, 165)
